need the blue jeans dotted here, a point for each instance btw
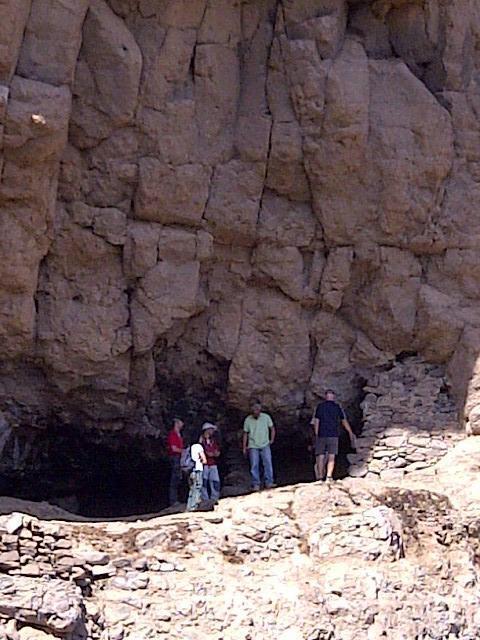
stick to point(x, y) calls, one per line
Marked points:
point(211, 480)
point(175, 479)
point(195, 493)
point(265, 455)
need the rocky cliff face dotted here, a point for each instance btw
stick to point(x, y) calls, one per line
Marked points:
point(232, 197)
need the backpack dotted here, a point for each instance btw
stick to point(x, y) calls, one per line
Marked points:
point(186, 462)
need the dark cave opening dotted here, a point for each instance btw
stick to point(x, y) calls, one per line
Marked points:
point(92, 476)
point(99, 474)
point(122, 482)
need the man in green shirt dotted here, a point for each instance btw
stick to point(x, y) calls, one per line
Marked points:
point(258, 435)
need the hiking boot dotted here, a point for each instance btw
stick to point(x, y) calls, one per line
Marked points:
point(329, 479)
point(270, 486)
point(256, 488)
point(205, 505)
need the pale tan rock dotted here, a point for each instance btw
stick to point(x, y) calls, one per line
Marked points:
point(51, 41)
point(52, 605)
point(473, 425)
point(413, 399)
point(439, 323)
point(169, 291)
point(269, 318)
point(336, 278)
point(30, 633)
point(282, 265)
point(14, 15)
point(285, 223)
point(172, 194)
point(217, 91)
point(286, 173)
point(464, 371)
point(103, 100)
point(71, 296)
point(343, 554)
point(234, 202)
point(324, 23)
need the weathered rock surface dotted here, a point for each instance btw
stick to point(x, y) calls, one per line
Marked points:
point(306, 562)
point(261, 197)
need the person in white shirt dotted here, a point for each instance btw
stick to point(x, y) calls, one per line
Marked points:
point(196, 476)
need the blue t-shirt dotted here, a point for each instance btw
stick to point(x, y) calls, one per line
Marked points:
point(330, 415)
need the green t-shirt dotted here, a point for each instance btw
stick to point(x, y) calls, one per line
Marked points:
point(258, 430)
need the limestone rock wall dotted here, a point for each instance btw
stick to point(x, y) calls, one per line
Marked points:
point(265, 196)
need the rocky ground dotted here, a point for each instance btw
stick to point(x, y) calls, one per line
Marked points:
point(227, 198)
point(359, 559)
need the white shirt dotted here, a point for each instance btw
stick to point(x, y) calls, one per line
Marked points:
point(196, 451)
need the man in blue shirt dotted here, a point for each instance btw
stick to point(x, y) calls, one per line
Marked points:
point(329, 417)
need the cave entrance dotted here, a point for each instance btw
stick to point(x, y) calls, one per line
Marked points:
point(113, 475)
point(96, 480)
point(90, 474)
point(293, 452)
point(294, 457)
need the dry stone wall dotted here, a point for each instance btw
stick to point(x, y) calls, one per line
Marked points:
point(267, 196)
point(410, 422)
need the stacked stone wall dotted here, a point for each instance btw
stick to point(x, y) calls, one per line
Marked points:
point(409, 421)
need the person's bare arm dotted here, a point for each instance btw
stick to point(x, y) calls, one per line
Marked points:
point(348, 428)
point(316, 426)
point(245, 442)
point(175, 449)
point(272, 434)
point(203, 457)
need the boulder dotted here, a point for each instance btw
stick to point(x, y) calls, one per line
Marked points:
point(103, 100)
point(172, 194)
point(52, 40)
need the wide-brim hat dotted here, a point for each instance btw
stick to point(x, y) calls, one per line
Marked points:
point(209, 425)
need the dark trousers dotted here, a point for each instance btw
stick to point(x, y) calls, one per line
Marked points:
point(175, 479)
